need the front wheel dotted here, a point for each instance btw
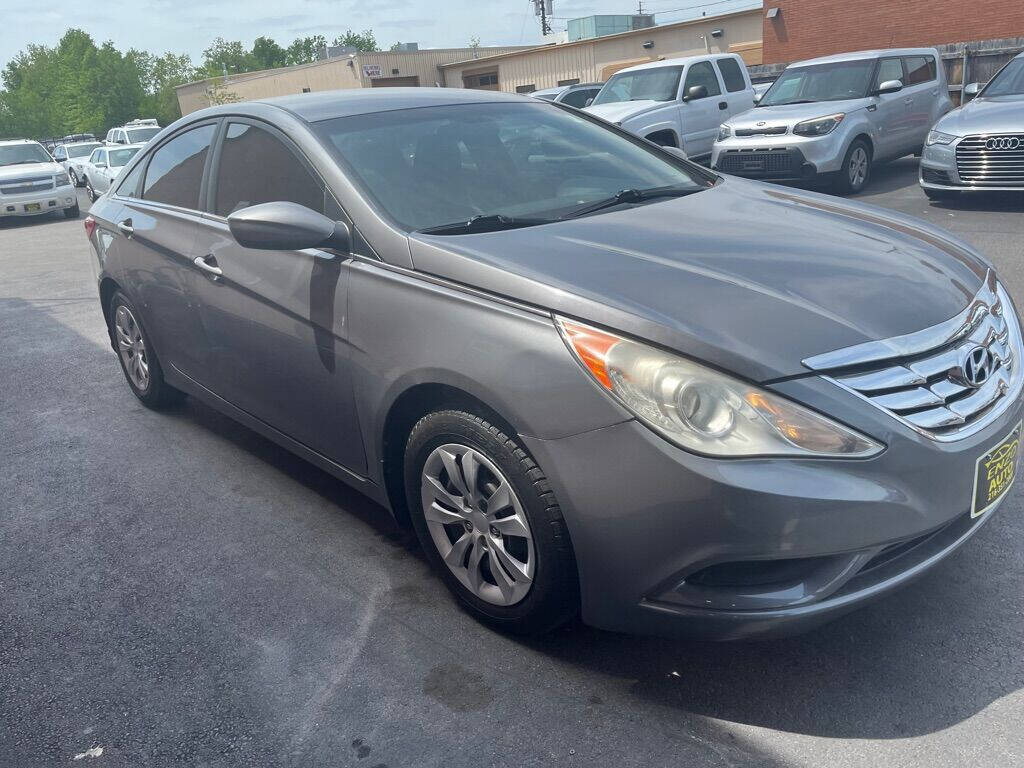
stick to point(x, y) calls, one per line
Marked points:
point(855, 172)
point(74, 178)
point(89, 191)
point(489, 523)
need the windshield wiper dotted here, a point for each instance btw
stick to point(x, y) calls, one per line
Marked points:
point(492, 222)
point(624, 196)
point(795, 101)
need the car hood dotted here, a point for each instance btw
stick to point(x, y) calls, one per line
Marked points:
point(748, 277)
point(617, 111)
point(791, 114)
point(28, 169)
point(1000, 114)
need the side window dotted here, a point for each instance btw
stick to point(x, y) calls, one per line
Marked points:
point(731, 75)
point(130, 186)
point(60, 153)
point(95, 156)
point(175, 170)
point(579, 98)
point(920, 69)
point(702, 73)
point(256, 167)
point(890, 69)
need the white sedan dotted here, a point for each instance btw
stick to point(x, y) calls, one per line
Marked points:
point(104, 164)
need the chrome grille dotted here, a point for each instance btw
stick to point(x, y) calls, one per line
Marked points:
point(997, 160)
point(26, 184)
point(920, 378)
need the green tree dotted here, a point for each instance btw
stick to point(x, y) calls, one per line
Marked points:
point(304, 50)
point(361, 41)
point(268, 54)
point(227, 55)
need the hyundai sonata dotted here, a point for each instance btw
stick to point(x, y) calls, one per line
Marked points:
point(593, 377)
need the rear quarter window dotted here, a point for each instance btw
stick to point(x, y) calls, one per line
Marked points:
point(732, 75)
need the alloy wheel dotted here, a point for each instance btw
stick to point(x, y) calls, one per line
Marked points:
point(858, 167)
point(74, 178)
point(89, 191)
point(478, 524)
point(131, 347)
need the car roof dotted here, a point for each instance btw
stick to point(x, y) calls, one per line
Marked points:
point(325, 105)
point(551, 91)
point(678, 62)
point(860, 55)
point(12, 142)
point(79, 143)
point(137, 145)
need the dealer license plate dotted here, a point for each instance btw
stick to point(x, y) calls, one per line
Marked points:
point(33, 206)
point(994, 473)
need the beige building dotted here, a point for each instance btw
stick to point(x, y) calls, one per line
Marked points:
point(596, 59)
point(360, 70)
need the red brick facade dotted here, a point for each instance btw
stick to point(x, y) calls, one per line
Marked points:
point(804, 29)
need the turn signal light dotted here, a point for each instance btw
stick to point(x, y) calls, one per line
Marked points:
point(591, 346)
point(90, 226)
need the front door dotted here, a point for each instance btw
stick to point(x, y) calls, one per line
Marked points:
point(700, 118)
point(891, 114)
point(276, 320)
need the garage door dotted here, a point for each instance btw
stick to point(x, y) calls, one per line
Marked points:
point(395, 82)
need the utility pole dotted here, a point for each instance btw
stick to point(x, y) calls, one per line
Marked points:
point(543, 9)
point(640, 8)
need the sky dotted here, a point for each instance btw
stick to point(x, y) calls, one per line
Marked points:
point(188, 26)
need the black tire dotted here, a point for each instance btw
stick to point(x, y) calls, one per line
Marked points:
point(553, 597)
point(73, 212)
point(844, 184)
point(157, 393)
point(74, 178)
point(89, 191)
point(941, 194)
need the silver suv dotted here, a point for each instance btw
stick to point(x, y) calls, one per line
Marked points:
point(835, 117)
point(981, 145)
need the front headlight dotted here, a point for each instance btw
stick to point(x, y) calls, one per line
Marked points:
point(724, 132)
point(819, 126)
point(705, 411)
point(61, 179)
point(938, 137)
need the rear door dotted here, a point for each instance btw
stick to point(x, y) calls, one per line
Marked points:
point(155, 230)
point(700, 118)
point(739, 94)
point(277, 319)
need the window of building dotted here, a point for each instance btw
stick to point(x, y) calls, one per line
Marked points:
point(489, 79)
point(175, 171)
point(256, 167)
point(920, 69)
point(890, 69)
point(526, 88)
point(305, 90)
point(731, 75)
point(569, 82)
point(702, 73)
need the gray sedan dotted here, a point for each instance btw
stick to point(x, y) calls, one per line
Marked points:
point(981, 145)
point(593, 377)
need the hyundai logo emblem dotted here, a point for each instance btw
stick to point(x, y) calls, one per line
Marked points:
point(761, 123)
point(1003, 142)
point(977, 366)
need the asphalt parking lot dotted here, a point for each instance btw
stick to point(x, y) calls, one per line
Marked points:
point(176, 590)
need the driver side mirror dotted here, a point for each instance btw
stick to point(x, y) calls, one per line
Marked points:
point(101, 165)
point(695, 92)
point(588, 102)
point(889, 86)
point(972, 89)
point(282, 226)
point(758, 97)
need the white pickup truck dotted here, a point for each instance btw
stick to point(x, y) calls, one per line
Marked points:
point(677, 102)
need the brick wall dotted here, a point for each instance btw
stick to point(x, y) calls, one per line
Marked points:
point(808, 28)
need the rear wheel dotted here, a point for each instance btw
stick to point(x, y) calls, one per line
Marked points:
point(855, 172)
point(90, 191)
point(138, 361)
point(489, 523)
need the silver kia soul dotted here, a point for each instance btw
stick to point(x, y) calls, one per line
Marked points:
point(593, 377)
point(835, 117)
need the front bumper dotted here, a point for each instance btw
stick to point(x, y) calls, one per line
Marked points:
point(37, 203)
point(655, 529)
point(800, 158)
point(938, 171)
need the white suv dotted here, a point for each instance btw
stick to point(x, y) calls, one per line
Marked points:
point(133, 132)
point(677, 102)
point(31, 183)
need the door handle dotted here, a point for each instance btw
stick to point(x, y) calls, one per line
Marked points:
point(908, 101)
point(204, 263)
point(126, 227)
point(723, 105)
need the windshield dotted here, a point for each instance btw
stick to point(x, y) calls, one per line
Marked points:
point(659, 84)
point(821, 82)
point(1009, 81)
point(118, 157)
point(141, 135)
point(14, 154)
point(81, 150)
point(437, 165)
